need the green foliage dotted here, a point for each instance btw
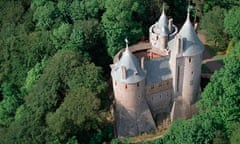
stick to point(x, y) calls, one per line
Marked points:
point(103, 134)
point(72, 140)
point(63, 94)
point(34, 74)
point(219, 138)
point(212, 23)
point(32, 68)
point(235, 137)
point(198, 9)
point(44, 14)
point(51, 49)
point(178, 9)
point(77, 112)
point(11, 11)
point(219, 109)
point(220, 98)
point(230, 46)
point(198, 130)
point(67, 37)
point(226, 4)
point(118, 21)
point(61, 34)
point(232, 22)
point(84, 10)
point(9, 104)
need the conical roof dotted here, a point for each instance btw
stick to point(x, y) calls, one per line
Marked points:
point(163, 20)
point(134, 73)
point(162, 25)
point(191, 43)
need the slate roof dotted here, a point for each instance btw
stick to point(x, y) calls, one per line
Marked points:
point(191, 43)
point(158, 70)
point(161, 27)
point(134, 72)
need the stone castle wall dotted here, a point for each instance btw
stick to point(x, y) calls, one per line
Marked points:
point(191, 78)
point(129, 95)
point(159, 96)
point(131, 110)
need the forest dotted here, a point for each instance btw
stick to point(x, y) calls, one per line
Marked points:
point(54, 68)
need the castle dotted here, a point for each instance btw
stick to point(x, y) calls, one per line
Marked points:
point(158, 79)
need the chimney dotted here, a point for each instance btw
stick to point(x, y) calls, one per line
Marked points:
point(170, 23)
point(142, 62)
point(124, 72)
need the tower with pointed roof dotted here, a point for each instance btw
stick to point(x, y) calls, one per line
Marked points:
point(157, 80)
point(160, 33)
point(131, 110)
point(186, 56)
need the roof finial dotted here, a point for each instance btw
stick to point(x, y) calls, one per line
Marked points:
point(126, 41)
point(163, 7)
point(188, 10)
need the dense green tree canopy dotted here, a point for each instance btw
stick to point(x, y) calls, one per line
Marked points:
point(67, 78)
point(52, 53)
point(213, 24)
point(232, 23)
point(226, 4)
point(119, 23)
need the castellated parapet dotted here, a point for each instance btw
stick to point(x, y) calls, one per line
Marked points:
point(157, 80)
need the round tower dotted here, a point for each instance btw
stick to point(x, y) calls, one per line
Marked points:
point(129, 91)
point(192, 58)
point(159, 33)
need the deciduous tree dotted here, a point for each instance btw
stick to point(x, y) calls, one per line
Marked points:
point(118, 21)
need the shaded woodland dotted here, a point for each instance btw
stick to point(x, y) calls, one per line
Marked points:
point(54, 68)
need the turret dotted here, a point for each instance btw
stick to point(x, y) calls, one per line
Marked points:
point(132, 112)
point(159, 33)
point(177, 64)
point(192, 57)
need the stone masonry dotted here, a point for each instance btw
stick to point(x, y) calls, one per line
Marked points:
point(159, 80)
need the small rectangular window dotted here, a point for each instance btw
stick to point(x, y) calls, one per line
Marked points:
point(190, 60)
point(178, 75)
